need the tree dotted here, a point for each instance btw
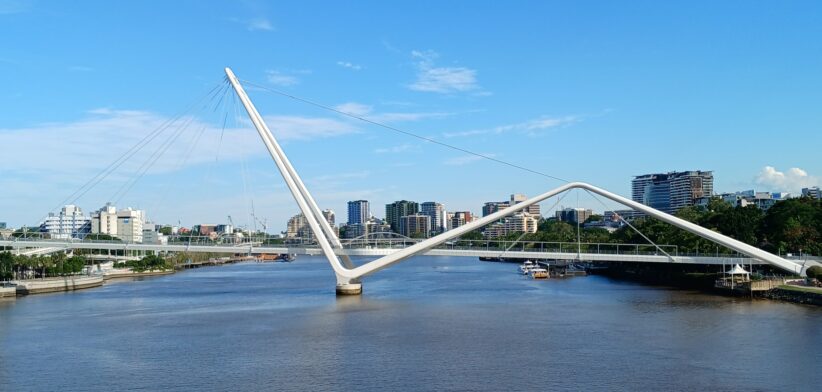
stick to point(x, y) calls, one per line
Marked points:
point(814, 272)
point(794, 225)
point(6, 266)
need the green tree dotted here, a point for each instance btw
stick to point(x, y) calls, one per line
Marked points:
point(793, 225)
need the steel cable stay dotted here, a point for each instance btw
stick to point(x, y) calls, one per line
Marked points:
point(162, 149)
point(407, 133)
point(559, 200)
point(634, 228)
point(133, 150)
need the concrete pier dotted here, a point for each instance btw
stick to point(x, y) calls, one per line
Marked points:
point(127, 273)
point(349, 289)
point(65, 283)
point(9, 291)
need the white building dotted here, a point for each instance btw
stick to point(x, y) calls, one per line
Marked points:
point(69, 223)
point(436, 212)
point(104, 221)
point(126, 224)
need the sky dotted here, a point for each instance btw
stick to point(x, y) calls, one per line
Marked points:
point(595, 91)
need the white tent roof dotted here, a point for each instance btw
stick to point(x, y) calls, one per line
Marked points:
point(737, 270)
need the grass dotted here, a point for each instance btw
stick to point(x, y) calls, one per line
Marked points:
point(802, 289)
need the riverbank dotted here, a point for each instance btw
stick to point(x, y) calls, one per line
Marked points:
point(703, 278)
point(128, 273)
point(795, 294)
point(51, 285)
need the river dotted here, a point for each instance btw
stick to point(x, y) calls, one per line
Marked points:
point(430, 323)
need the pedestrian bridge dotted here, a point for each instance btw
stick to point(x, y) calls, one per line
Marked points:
point(374, 248)
point(349, 276)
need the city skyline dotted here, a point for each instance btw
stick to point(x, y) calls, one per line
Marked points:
point(658, 109)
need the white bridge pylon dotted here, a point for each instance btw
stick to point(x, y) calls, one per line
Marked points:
point(348, 275)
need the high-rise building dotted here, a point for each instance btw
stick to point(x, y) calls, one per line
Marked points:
point(573, 215)
point(2, 225)
point(69, 223)
point(493, 206)
point(130, 225)
point(437, 213)
point(533, 209)
point(104, 220)
point(669, 192)
point(397, 210)
point(126, 224)
point(298, 228)
point(358, 212)
point(520, 222)
point(459, 218)
point(813, 192)
point(415, 225)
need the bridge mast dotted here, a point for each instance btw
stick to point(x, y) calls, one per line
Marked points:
point(346, 283)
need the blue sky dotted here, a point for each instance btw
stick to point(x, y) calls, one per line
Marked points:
point(592, 91)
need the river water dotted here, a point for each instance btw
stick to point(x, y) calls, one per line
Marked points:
point(430, 323)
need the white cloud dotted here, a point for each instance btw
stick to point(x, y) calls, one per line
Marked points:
point(367, 111)
point(349, 65)
point(281, 79)
point(259, 24)
point(792, 181)
point(466, 159)
point(395, 149)
point(307, 128)
point(530, 127)
point(441, 79)
point(357, 109)
point(78, 149)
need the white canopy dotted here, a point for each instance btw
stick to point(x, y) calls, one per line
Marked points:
point(737, 270)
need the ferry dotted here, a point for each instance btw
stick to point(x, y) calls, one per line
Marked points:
point(539, 273)
point(526, 267)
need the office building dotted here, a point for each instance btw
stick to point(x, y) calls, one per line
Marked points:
point(298, 229)
point(358, 212)
point(415, 226)
point(520, 222)
point(125, 224)
point(518, 198)
point(130, 225)
point(573, 215)
point(459, 218)
point(397, 210)
point(437, 213)
point(69, 223)
point(669, 192)
point(761, 200)
point(813, 192)
point(493, 206)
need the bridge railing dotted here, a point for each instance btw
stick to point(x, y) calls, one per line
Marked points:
point(490, 245)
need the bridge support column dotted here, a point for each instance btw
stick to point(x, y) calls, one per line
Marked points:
point(348, 287)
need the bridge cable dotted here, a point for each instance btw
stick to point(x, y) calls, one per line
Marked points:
point(634, 228)
point(559, 200)
point(160, 152)
point(407, 133)
point(105, 172)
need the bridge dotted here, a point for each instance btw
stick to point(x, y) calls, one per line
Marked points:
point(370, 248)
point(349, 276)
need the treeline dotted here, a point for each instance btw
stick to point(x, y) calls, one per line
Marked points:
point(790, 226)
point(148, 263)
point(21, 267)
